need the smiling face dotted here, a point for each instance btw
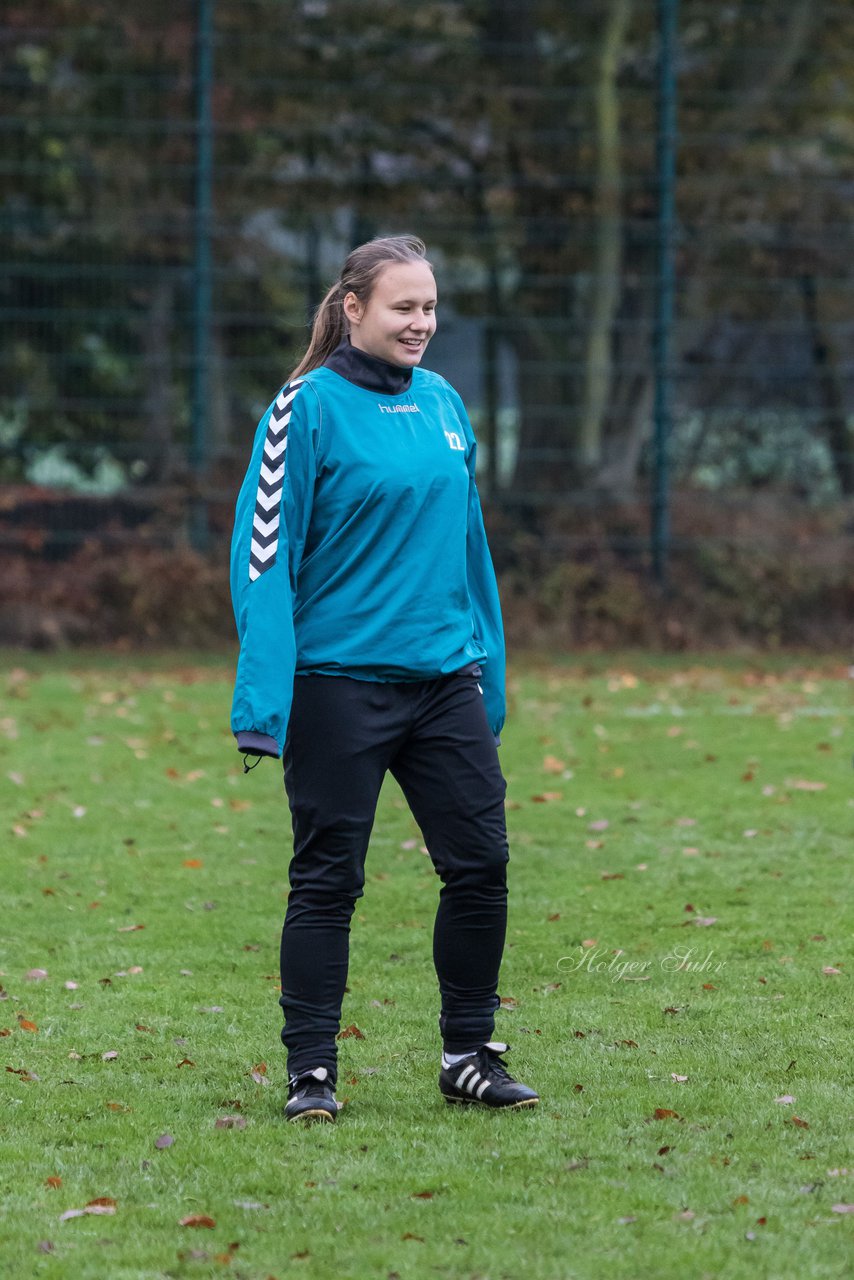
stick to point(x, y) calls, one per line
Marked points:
point(399, 317)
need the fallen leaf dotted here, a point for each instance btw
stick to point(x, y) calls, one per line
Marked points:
point(801, 784)
point(704, 921)
point(678, 1079)
point(165, 1140)
point(830, 971)
point(35, 975)
point(421, 1195)
point(551, 764)
point(130, 928)
point(230, 1122)
point(227, 1256)
point(197, 1220)
point(546, 797)
point(801, 1124)
point(842, 1208)
point(101, 1205)
point(664, 1113)
point(109, 1055)
point(352, 1030)
point(53, 1181)
point(26, 1025)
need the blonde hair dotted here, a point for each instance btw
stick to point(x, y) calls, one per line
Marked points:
point(358, 275)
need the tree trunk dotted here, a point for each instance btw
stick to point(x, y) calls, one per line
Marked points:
point(606, 274)
point(538, 321)
point(834, 421)
point(159, 396)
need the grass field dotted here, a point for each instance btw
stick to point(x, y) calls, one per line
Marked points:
point(677, 985)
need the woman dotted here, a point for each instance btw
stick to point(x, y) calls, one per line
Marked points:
point(371, 640)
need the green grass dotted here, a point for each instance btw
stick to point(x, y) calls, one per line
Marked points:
point(124, 805)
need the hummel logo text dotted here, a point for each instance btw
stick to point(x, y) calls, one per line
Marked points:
point(398, 408)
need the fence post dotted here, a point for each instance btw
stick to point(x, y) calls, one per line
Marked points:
point(202, 272)
point(664, 284)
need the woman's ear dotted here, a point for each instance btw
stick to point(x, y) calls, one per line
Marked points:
point(353, 308)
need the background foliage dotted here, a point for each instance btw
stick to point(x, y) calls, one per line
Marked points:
point(519, 141)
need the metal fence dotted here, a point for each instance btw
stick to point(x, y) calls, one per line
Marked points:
point(640, 320)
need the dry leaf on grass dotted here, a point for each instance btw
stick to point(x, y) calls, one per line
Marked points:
point(101, 1205)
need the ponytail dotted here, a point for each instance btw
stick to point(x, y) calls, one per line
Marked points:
point(329, 328)
point(358, 275)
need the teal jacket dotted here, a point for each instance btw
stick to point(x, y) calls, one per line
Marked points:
point(359, 548)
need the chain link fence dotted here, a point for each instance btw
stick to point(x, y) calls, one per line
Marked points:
point(181, 182)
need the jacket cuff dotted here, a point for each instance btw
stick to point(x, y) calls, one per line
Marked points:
point(256, 744)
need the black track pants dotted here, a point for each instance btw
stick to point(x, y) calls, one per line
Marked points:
point(433, 736)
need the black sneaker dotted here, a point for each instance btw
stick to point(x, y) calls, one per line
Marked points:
point(483, 1078)
point(311, 1096)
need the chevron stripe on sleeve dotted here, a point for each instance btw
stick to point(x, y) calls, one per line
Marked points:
point(268, 500)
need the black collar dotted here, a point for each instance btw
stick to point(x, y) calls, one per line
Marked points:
point(367, 371)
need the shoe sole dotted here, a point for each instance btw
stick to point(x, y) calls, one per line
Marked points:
point(314, 1114)
point(475, 1102)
